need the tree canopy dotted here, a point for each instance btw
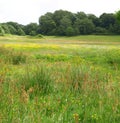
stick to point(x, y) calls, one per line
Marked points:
point(65, 23)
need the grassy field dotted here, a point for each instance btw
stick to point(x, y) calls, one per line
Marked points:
point(60, 79)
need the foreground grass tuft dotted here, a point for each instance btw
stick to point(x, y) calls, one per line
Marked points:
point(37, 80)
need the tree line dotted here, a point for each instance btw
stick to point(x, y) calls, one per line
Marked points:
point(65, 23)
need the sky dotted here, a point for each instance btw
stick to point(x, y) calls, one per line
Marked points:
point(27, 11)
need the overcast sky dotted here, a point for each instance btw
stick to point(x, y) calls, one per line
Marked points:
point(26, 11)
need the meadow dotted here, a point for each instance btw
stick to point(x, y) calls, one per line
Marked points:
point(59, 79)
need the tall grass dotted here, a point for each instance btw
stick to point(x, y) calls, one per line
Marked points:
point(86, 94)
point(37, 80)
point(82, 86)
point(11, 56)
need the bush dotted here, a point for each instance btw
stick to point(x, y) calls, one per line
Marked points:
point(39, 36)
point(70, 31)
point(32, 33)
point(100, 30)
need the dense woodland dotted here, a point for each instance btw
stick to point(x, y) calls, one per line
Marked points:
point(65, 23)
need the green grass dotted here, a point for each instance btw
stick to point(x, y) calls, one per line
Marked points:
point(60, 79)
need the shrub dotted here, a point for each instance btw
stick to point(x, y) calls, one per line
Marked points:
point(70, 31)
point(100, 30)
point(39, 36)
point(32, 33)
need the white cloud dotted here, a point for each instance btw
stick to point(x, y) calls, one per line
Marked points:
point(26, 11)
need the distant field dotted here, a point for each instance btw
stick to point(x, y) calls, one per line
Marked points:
point(60, 79)
point(78, 39)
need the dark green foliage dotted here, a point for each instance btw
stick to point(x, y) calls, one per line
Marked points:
point(116, 28)
point(100, 30)
point(39, 36)
point(6, 28)
point(65, 23)
point(47, 24)
point(31, 29)
point(85, 26)
point(81, 15)
point(15, 28)
point(60, 14)
point(12, 30)
point(32, 33)
point(70, 31)
point(107, 21)
point(1, 31)
point(20, 31)
point(118, 16)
